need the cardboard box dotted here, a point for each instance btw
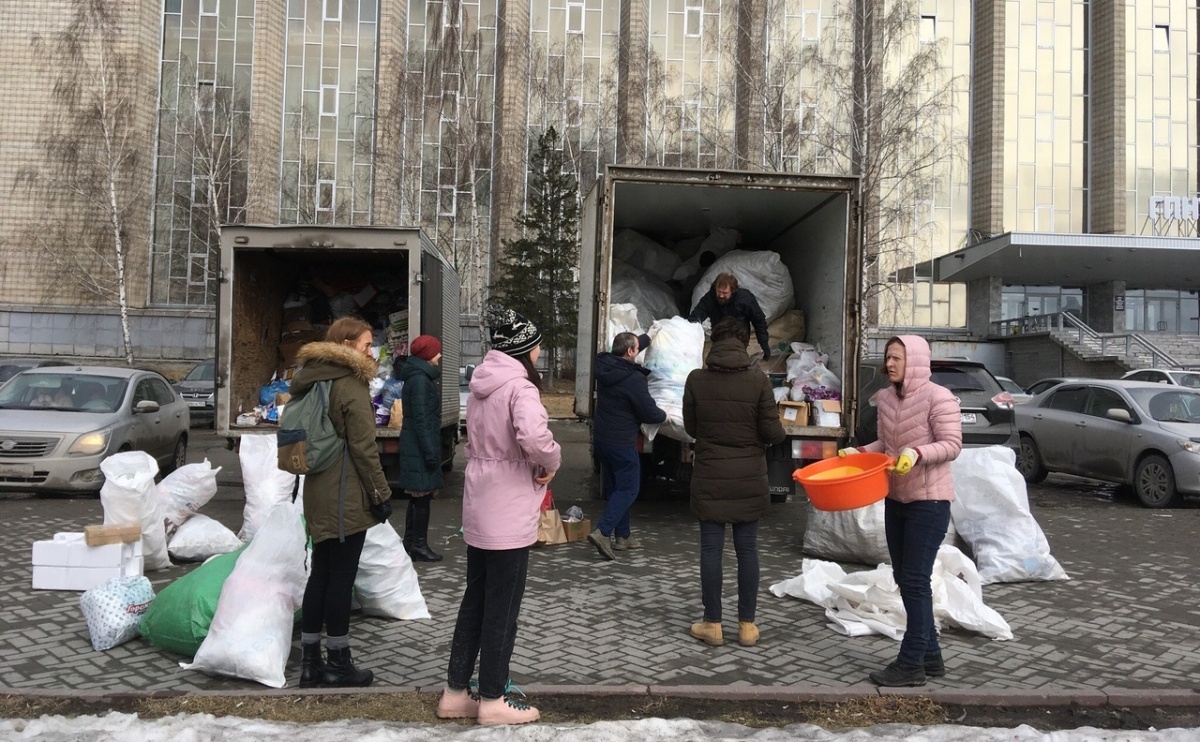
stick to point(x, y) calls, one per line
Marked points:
point(577, 530)
point(112, 533)
point(827, 413)
point(301, 313)
point(793, 413)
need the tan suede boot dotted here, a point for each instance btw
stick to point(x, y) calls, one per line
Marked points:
point(747, 633)
point(709, 633)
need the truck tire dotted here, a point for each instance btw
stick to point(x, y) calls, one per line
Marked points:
point(449, 448)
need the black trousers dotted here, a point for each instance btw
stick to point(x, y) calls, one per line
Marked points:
point(487, 619)
point(330, 584)
point(745, 545)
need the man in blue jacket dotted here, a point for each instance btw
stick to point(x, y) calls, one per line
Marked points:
point(623, 403)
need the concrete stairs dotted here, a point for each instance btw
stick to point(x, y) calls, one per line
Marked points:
point(1124, 349)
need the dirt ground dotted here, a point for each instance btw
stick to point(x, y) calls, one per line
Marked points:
point(560, 401)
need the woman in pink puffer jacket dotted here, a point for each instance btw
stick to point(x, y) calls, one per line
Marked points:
point(920, 426)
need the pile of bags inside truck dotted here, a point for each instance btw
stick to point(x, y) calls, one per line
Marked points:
point(234, 613)
point(655, 287)
point(308, 311)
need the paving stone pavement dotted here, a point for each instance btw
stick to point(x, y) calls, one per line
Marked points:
point(1128, 617)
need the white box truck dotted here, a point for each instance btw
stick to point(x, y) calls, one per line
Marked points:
point(811, 221)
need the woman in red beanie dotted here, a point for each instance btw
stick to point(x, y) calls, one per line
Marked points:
point(420, 443)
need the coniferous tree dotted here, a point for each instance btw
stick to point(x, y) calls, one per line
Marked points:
point(538, 275)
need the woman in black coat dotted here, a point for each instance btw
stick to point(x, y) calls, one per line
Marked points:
point(420, 443)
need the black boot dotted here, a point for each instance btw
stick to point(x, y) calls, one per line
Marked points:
point(340, 671)
point(312, 665)
point(420, 551)
point(408, 526)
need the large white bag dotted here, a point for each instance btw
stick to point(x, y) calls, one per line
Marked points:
point(200, 538)
point(114, 609)
point(676, 349)
point(129, 496)
point(856, 536)
point(621, 318)
point(386, 584)
point(184, 491)
point(761, 272)
point(991, 511)
point(251, 633)
point(265, 483)
point(652, 297)
point(639, 251)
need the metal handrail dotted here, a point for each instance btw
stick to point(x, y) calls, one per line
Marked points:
point(1068, 321)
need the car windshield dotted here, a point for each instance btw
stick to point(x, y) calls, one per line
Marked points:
point(203, 372)
point(7, 371)
point(1011, 386)
point(1169, 407)
point(958, 379)
point(1191, 381)
point(63, 391)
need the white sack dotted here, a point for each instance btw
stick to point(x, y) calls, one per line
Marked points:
point(251, 633)
point(718, 243)
point(387, 584)
point(644, 254)
point(201, 538)
point(856, 536)
point(761, 272)
point(114, 609)
point(184, 491)
point(676, 349)
point(265, 483)
point(991, 511)
point(621, 318)
point(129, 496)
point(652, 297)
point(869, 602)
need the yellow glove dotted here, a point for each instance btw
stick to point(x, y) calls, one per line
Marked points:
point(844, 452)
point(904, 462)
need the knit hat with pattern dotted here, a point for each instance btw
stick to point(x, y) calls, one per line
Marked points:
point(510, 332)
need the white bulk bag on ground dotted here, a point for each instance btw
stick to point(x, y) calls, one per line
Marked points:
point(676, 349)
point(266, 484)
point(761, 272)
point(639, 251)
point(652, 297)
point(251, 633)
point(869, 602)
point(387, 584)
point(991, 511)
point(200, 538)
point(129, 496)
point(856, 536)
point(114, 609)
point(184, 491)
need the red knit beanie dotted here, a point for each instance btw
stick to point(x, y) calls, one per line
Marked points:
point(426, 347)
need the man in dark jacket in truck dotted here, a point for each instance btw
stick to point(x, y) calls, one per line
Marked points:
point(727, 299)
point(623, 403)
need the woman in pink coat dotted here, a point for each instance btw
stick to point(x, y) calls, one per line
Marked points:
point(920, 426)
point(511, 457)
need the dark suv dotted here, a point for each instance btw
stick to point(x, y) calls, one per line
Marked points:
point(987, 410)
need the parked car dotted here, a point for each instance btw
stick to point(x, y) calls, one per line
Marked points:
point(464, 391)
point(1042, 385)
point(1135, 433)
point(58, 423)
point(10, 367)
point(1019, 395)
point(987, 409)
point(198, 389)
point(1178, 377)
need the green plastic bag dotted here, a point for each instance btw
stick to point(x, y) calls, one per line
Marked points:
point(179, 617)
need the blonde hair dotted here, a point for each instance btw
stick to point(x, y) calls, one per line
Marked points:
point(346, 328)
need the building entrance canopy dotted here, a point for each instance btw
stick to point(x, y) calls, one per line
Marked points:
point(1047, 259)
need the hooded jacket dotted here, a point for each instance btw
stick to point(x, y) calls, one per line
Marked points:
point(926, 419)
point(743, 305)
point(730, 410)
point(508, 443)
point(353, 419)
point(420, 436)
point(623, 401)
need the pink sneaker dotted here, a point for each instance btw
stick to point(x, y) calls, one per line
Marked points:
point(506, 710)
point(458, 704)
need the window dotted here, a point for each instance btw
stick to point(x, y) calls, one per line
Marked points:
point(928, 29)
point(329, 100)
point(1045, 33)
point(205, 95)
point(1070, 399)
point(163, 394)
point(449, 105)
point(810, 29)
point(447, 201)
point(692, 18)
point(574, 111)
point(1103, 400)
point(691, 115)
point(1044, 126)
point(325, 195)
point(208, 7)
point(808, 118)
point(200, 190)
point(333, 10)
point(143, 392)
point(574, 16)
point(1162, 130)
point(1162, 39)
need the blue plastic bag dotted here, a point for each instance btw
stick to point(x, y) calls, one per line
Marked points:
point(266, 395)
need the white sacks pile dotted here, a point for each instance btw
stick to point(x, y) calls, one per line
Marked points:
point(676, 349)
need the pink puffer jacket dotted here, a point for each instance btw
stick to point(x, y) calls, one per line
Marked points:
point(927, 418)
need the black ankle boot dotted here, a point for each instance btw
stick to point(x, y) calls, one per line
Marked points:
point(420, 551)
point(340, 671)
point(312, 665)
point(408, 526)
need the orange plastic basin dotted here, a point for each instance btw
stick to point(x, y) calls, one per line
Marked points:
point(845, 483)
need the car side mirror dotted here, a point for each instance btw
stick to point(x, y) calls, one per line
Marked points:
point(1118, 414)
point(470, 372)
point(146, 405)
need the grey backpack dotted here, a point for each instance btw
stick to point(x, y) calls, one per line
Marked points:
point(307, 441)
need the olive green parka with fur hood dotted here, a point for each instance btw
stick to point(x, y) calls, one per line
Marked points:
point(325, 513)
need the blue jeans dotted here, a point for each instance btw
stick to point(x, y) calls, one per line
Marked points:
point(745, 545)
point(622, 481)
point(914, 532)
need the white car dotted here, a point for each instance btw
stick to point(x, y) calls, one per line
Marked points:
point(1177, 377)
point(1019, 395)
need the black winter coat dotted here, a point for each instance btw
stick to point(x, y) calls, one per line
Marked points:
point(730, 410)
point(623, 401)
point(743, 306)
point(420, 436)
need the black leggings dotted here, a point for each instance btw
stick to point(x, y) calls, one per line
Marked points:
point(330, 584)
point(487, 619)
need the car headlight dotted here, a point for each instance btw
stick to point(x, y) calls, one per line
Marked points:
point(1191, 445)
point(91, 443)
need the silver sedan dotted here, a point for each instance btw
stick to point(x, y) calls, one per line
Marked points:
point(1140, 434)
point(57, 424)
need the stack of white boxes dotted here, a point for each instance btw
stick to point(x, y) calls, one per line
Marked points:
point(68, 563)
